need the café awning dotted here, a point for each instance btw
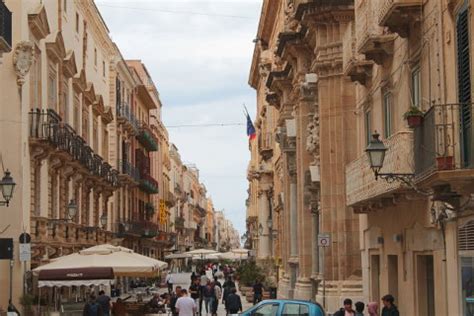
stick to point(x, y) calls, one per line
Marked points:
point(75, 277)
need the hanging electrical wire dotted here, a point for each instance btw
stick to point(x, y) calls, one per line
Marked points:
point(177, 12)
point(206, 125)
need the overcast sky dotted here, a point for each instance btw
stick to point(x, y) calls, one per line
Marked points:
point(198, 53)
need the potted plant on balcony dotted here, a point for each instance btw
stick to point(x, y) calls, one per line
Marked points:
point(414, 116)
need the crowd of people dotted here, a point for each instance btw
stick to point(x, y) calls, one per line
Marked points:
point(389, 308)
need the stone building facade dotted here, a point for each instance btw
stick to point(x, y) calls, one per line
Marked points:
point(414, 234)
point(305, 137)
point(81, 130)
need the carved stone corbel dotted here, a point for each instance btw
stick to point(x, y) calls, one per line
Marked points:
point(23, 58)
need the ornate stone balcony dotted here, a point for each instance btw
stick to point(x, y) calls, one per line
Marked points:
point(372, 41)
point(397, 15)
point(5, 29)
point(49, 133)
point(126, 118)
point(143, 229)
point(148, 184)
point(354, 65)
point(363, 192)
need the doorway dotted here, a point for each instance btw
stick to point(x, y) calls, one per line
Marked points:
point(393, 275)
point(425, 286)
point(375, 278)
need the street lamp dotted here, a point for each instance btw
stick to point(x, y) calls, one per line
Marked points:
point(7, 186)
point(103, 220)
point(376, 154)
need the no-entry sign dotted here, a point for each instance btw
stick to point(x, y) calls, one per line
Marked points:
point(324, 240)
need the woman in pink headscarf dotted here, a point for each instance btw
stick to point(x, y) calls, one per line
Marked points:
point(373, 309)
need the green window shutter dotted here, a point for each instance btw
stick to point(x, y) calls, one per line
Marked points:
point(464, 84)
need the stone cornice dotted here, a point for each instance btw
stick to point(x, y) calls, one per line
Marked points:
point(96, 24)
point(69, 64)
point(317, 10)
point(285, 38)
point(279, 74)
point(79, 82)
point(38, 22)
point(55, 47)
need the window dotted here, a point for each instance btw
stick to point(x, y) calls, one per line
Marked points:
point(103, 68)
point(95, 57)
point(416, 86)
point(295, 309)
point(65, 5)
point(95, 135)
point(368, 126)
point(266, 310)
point(77, 116)
point(387, 114)
point(77, 22)
point(35, 79)
point(52, 87)
point(65, 102)
point(85, 125)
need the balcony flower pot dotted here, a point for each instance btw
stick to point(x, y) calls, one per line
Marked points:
point(414, 117)
point(445, 163)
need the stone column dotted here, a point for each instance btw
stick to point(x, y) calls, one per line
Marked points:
point(263, 214)
point(293, 261)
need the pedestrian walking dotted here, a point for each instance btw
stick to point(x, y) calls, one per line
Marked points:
point(257, 292)
point(209, 296)
point(233, 303)
point(195, 291)
point(174, 298)
point(104, 301)
point(92, 308)
point(359, 308)
point(346, 310)
point(228, 285)
point(389, 308)
point(218, 295)
point(169, 282)
point(185, 305)
point(373, 309)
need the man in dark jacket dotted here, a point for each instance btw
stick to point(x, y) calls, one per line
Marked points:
point(346, 310)
point(257, 292)
point(92, 308)
point(233, 303)
point(389, 308)
point(173, 299)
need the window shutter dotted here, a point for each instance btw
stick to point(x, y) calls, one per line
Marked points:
point(466, 237)
point(464, 82)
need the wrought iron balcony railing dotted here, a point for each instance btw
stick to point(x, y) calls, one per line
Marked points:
point(125, 114)
point(444, 140)
point(146, 138)
point(126, 168)
point(5, 29)
point(47, 126)
point(148, 184)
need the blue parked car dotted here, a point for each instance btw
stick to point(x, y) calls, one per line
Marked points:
point(285, 308)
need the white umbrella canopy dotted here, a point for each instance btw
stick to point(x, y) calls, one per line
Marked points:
point(123, 261)
point(240, 251)
point(233, 256)
point(210, 256)
point(201, 252)
point(178, 256)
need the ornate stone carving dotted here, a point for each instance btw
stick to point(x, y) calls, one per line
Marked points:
point(312, 139)
point(23, 58)
point(291, 24)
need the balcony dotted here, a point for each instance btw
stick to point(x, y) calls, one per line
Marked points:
point(445, 146)
point(398, 15)
point(354, 65)
point(48, 132)
point(148, 184)
point(363, 192)
point(144, 229)
point(179, 222)
point(372, 41)
point(5, 29)
point(146, 138)
point(128, 172)
point(126, 118)
point(265, 145)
